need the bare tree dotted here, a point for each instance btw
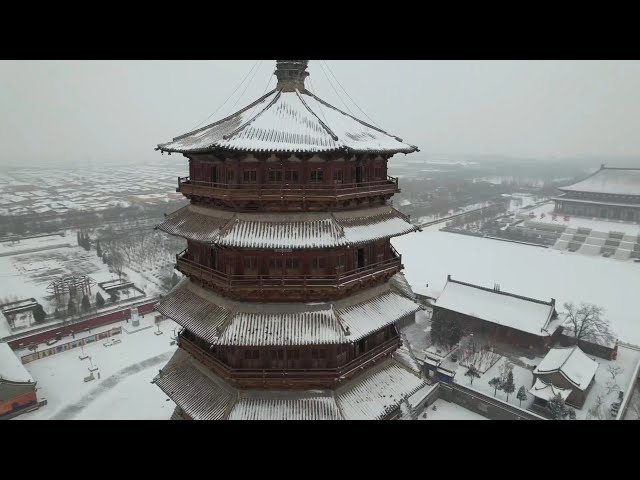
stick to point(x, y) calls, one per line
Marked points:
point(585, 323)
point(596, 412)
point(614, 371)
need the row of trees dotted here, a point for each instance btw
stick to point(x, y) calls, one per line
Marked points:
point(556, 406)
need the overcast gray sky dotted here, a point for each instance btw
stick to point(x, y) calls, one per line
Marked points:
point(120, 110)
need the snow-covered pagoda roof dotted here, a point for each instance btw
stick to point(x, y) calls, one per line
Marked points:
point(11, 368)
point(612, 181)
point(279, 230)
point(546, 391)
point(221, 321)
point(572, 363)
point(204, 396)
point(289, 119)
point(514, 311)
point(373, 395)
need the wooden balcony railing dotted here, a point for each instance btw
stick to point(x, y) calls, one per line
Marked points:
point(279, 281)
point(303, 377)
point(285, 191)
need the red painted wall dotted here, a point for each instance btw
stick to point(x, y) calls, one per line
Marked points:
point(65, 330)
point(22, 401)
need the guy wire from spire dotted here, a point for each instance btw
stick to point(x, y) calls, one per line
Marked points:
point(231, 95)
point(334, 89)
point(354, 102)
point(247, 86)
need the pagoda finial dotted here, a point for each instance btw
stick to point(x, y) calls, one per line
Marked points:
point(291, 74)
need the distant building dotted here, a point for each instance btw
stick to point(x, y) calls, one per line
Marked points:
point(610, 193)
point(514, 319)
point(567, 369)
point(17, 388)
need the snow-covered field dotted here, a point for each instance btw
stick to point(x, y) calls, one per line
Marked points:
point(26, 275)
point(123, 390)
point(448, 411)
point(429, 256)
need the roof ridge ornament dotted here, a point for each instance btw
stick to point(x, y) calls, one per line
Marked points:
point(291, 74)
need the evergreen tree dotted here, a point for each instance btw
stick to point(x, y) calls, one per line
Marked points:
point(472, 373)
point(559, 410)
point(508, 386)
point(496, 383)
point(522, 395)
point(86, 303)
point(99, 300)
point(39, 314)
point(446, 331)
point(98, 249)
point(105, 258)
point(71, 306)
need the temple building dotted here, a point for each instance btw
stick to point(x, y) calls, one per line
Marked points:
point(609, 193)
point(521, 321)
point(292, 293)
point(569, 372)
point(17, 388)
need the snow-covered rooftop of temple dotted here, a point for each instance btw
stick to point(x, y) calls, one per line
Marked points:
point(513, 311)
point(222, 321)
point(289, 121)
point(572, 363)
point(277, 230)
point(546, 391)
point(613, 181)
point(204, 396)
point(11, 367)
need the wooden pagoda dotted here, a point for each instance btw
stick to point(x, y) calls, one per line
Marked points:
point(292, 290)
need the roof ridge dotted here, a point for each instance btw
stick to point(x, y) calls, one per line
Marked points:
point(223, 119)
point(325, 126)
point(348, 115)
point(492, 290)
point(252, 119)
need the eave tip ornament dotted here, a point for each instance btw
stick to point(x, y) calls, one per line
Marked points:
point(291, 74)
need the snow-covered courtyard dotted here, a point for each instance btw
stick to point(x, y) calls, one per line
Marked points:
point(124, 389)
point(443, 410)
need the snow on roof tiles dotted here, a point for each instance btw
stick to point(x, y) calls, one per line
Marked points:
point(527, 315)
point(374, 394)
point(275, 230)
point(194, 308)
point(222, 321)
point(572, 363)
point(614, 181)
point(546, 391)
point(307, 326)
point(11, 368)
point(288, 122)
point(202, 395)
point(205, 396)
point(285, 405)
point(364, 317)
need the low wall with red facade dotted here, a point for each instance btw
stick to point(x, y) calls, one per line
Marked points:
point(82, 325)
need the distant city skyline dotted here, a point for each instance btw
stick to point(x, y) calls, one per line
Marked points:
point(115, 111)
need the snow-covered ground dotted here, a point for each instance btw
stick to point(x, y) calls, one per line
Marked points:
point(429, 256)
point(448, 411)
point(123, 390)
point(27, 275)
